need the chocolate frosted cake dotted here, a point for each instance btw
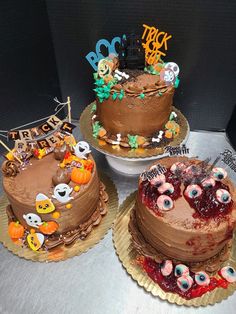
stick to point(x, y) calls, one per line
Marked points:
point(134, 103)
point(55, 199)
point(184, 214)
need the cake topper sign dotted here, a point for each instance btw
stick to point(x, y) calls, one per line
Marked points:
point(229, 159)
point(177, 150)
point(154, 41)
point(153, 172)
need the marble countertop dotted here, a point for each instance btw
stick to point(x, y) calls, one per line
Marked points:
point(96, 282)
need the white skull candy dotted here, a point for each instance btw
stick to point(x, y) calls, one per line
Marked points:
point(82, 149)
point(173, 67)
point(33, 220)
point(62, 193)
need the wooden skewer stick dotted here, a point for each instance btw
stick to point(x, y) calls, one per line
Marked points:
point(69, 109)
point(10, 151)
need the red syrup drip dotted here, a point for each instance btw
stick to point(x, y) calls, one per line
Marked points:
point(207, 206)
point(169, 283)
point(149, 193)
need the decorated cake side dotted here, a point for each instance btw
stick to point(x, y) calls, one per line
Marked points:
point(55, 195)
point(183, 221)
point(134, 99)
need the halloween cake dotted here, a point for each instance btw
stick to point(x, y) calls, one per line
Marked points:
point(182, 224)
point(55, 198)
point(133, 101)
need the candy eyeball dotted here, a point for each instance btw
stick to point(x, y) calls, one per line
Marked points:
point(177, 166)
point(193, 191)
point(202, 279)
point(166, 188)
point(228, 273)
point(184, 283)
point(223, 196)
point(219, 174)
point(166, 267)
point(208, 183)
point(181, 270)
point(158, 180)
point(164, 202)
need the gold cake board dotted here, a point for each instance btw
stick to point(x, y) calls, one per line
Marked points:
point(63, 252)
point(127, 255)
point(115, 151)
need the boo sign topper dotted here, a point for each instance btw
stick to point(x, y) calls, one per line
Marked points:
point(94, 57)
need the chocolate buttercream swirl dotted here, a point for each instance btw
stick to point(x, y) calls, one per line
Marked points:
point(10, 168)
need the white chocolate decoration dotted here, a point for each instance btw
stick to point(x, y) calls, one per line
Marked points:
point(33, 220)
point(82, 149)
point(172, 66)
point(168, 76)
point(62, 193)
point(157, 140)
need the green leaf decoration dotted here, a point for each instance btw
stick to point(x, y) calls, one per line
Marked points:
point(96, 129)
point(114, 96)
point(141, 96)
point(160, 93)
point(95, 75)
point(99, 82)
point(177, 80)
point(133, 141)
point(171, 116)
point(94, 108)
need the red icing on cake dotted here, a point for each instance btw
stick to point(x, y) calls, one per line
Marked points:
point(169, 283)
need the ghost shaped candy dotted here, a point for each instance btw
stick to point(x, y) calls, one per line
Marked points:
point(33, 220)
point(43, 204)
point(82, 149)
point(62, 193)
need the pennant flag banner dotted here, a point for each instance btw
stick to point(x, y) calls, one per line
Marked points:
point(44, 136)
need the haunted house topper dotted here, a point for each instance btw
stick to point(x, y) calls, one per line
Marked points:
point(131, 53)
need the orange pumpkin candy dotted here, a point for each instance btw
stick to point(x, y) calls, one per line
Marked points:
point(48, 227)
point(15, 230)
point(80, 176)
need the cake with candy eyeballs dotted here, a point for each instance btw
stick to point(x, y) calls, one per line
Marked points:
point(183, 222)
point(54, 198)
point(133, 101)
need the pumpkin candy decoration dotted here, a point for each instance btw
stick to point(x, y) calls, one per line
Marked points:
point(15, 230)
point(80, 175)
point(48, 227)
